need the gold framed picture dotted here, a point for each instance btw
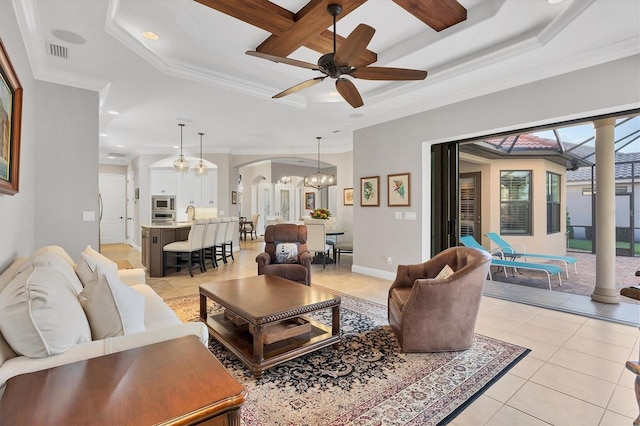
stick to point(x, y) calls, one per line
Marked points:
point(10, 125)
point(347, 196)
point(399, 190)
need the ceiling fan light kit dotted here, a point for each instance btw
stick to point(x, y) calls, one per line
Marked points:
point(340, 63)
point(318, 179)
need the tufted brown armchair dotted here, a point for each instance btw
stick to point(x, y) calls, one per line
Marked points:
point(438, 315)
point(286, 233)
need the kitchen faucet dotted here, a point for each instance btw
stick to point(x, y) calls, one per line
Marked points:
point(192, 207)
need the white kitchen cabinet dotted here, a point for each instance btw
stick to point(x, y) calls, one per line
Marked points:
point(199, 191)
point(163, 182)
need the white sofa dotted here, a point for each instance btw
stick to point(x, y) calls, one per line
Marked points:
point(54, 311)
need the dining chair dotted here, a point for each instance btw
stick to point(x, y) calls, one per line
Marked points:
point(317, 238)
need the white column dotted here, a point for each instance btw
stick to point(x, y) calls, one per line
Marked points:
point(605, 289)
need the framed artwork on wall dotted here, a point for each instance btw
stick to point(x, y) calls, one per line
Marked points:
point(10, 124)
point(347, 196)
point(234, 197)
point(399, 191)
point(309, 200)
point(370, 191)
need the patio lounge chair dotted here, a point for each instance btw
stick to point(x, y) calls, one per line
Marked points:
point(549, 269)
point(510, 252)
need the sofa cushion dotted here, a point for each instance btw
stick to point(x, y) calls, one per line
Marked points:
point(112, 307)
point(11, 272)
point(55, 250)
point(39, 310)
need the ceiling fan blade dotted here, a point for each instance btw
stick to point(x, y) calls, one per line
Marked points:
point(354, 45)
point(299, 86)
point(384, 73)
point(279, 59)
point(349, 92)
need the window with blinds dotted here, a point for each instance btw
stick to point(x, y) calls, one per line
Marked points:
point(553, 203)
point(515, 202)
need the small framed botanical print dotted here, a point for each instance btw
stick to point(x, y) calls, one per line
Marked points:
point(370, 191)
point(399, 191)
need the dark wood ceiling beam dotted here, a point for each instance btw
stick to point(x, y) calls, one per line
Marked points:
point(310, 21)
point(438, 14)
point(262, 14)
point(278, 20)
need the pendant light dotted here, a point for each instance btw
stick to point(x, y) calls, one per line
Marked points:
point(318, 179)
point(181, 164)
point(201, 168)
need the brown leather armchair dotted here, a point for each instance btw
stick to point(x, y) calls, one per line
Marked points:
point(437, 315)
point(286, 233)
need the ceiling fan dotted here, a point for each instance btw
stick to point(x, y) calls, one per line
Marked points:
point(338, 64)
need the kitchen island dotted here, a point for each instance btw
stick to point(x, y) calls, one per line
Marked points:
point(156, 236)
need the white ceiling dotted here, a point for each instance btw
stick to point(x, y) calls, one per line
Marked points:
point(197, 72)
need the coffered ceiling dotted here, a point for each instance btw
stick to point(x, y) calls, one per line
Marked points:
point(197, 72)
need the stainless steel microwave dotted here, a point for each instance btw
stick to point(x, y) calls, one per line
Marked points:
point(163, 203)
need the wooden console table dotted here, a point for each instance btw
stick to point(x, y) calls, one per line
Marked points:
point(176, 382)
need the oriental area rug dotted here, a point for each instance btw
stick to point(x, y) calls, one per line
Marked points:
point(365, 379)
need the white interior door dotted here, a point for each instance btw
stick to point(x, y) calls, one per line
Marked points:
point(285, 202)
point(131, 202)
point(112, 189)
point(265, 204)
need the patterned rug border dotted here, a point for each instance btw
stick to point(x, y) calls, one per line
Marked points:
point(378, 313)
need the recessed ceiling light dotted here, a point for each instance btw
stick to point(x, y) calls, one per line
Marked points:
point(150, 35)
point(120, 146)
point(103, 135)
point(333, 93)
point(554, 1)
point(175, 147)
point(113, 112)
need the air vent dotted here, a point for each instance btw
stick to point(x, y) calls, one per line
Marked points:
point(115, 155)
point(58, 51)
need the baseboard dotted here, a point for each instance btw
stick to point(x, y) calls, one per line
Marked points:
point(385, 275)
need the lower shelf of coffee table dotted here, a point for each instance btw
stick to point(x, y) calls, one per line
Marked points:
point(239, 340)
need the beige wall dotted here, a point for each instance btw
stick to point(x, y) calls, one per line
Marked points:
point(539, 241)
point(404, 144)
point(58, 164)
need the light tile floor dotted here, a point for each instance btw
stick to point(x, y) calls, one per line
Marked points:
point(574, 375)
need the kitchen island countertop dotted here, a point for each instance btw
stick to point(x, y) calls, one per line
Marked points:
point(167, 225)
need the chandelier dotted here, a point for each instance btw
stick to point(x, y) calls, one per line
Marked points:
point(201, 168)
point(318, 179)
point(181, 164)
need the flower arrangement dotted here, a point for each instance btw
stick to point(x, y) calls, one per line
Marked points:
point(321, 214)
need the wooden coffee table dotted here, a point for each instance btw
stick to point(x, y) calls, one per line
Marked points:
point(176, 382)
point(263, 314)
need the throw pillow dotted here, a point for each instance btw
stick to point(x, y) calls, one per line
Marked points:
point(39, 311)
point(287, 253)
point(87, 264)
point(97, 256)
point(112, 307)
point(444, 273)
